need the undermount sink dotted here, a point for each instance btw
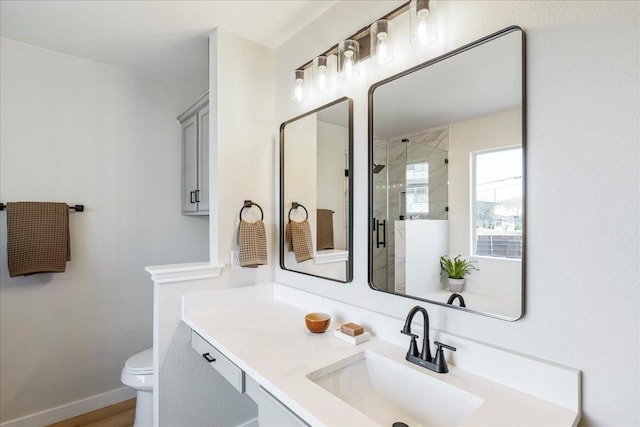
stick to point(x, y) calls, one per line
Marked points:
point(388, 392)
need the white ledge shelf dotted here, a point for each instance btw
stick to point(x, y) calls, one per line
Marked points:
point(172, 273)
point(329, 256)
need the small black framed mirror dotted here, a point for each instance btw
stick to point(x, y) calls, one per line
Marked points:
point(316, 192)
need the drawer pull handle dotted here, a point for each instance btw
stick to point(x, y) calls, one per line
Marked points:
point(209, 358)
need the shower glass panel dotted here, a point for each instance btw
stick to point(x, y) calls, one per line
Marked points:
point(410, 183)
point(380, 214)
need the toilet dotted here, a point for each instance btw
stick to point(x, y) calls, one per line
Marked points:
point(137, 373)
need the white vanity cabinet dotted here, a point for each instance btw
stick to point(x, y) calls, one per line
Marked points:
point(297, 377)
point(271, 412)
point(219, 362)
point(195, 158)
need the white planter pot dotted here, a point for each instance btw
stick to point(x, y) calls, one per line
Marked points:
point(456, 285)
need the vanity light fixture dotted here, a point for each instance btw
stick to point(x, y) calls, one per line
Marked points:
point(348, 59)
point(421, 33)
point(297, 88)
point(379, 40)
point(370, 41)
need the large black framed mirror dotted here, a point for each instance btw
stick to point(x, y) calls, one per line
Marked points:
point(447, 177)
point(316, 192)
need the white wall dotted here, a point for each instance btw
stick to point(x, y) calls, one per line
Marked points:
point(242, 150)
point(333, 141)
point(240, 76)
point(80, 132)
point(582, 183)
point(300, 171)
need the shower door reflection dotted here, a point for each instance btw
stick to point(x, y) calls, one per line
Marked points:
point(410, 184)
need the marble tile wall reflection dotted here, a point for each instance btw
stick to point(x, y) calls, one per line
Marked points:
point(390, 184)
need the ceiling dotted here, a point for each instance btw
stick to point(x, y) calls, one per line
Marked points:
point(476, 82)
point(165, 40)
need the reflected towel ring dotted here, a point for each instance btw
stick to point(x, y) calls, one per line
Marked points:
point(248, 204)
point(296, 205)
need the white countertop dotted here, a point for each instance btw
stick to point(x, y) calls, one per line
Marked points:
point(268, 340)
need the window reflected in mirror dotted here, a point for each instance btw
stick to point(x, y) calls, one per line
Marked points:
point(497, 203)
point(417, 191)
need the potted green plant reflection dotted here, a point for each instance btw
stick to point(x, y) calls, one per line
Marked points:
point(455, 270)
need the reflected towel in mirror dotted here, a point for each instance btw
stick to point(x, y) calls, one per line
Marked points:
point(298, 237)
point(252, 244)
point(324, 232)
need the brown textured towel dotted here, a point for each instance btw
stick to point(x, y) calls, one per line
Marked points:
point(252, 244)
point(37, 238)
point(298, 236)
point(324, 232)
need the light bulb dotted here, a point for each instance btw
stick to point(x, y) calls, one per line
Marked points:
point(323, 70)
point(297, 90)
point(348, 64)
point(420, 28)
point(348, 59)
point(322, 79)
point(421, 33)
point(383, 54)
point(380, 52)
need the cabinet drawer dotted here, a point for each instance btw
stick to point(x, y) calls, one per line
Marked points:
point(218, 361)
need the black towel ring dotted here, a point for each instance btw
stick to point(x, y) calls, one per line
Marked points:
point(296, 205)
point(248, 204)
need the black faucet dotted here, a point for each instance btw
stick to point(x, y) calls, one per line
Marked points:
point(424, 359)
point(453, 297)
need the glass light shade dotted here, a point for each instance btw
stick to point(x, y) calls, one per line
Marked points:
point(348, 56)
point(379, 39)
point(322, 75)
point(297, 86)
point(421, 31)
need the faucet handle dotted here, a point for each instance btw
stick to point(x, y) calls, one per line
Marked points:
point(440, 345)
point(409, 333)
point(439, 360)
point(413, 346)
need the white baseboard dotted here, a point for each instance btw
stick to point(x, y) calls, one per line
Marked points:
point(72, 409)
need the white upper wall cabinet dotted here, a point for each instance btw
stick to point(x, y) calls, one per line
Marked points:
point(195, 158)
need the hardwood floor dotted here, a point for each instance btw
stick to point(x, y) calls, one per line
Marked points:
point(116, 415)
